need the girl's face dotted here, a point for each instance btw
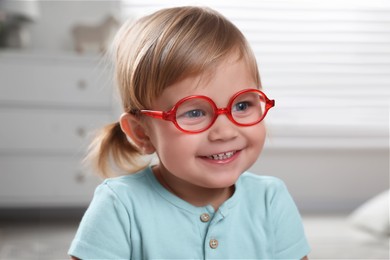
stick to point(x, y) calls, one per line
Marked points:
point(188, 158)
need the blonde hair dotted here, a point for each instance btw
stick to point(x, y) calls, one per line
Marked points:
point(155, 52)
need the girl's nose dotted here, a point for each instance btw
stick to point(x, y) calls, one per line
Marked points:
point(223, 129)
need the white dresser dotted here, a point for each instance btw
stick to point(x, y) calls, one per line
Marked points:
point(50, 104)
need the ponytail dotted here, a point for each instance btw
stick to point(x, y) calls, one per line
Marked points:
point(111, 152)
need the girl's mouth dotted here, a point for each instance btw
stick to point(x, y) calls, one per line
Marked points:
point(221, 156)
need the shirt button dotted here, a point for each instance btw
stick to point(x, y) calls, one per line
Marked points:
point(213, 243)
point(205, 217)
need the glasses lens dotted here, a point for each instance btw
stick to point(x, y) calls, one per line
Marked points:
point(248, 108)
point(194, 114)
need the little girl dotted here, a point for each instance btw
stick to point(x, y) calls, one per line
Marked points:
point(191, 94)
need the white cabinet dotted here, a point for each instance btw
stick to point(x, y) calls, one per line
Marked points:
point(49, 107)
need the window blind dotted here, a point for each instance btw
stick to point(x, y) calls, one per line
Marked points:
point(326, 63)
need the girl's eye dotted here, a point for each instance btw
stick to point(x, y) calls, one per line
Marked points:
point(241, 106)
point(196, 113)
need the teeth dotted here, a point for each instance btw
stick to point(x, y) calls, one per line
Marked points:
point(221, 156)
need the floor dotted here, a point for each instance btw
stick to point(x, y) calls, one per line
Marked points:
point(331, 237)
point(30, 240)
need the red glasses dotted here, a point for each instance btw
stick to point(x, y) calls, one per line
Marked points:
point(195, 114)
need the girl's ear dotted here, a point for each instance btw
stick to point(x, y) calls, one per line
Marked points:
point(135, 130)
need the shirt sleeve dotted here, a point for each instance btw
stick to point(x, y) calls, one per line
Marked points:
point(290, 239)
point(104, 231)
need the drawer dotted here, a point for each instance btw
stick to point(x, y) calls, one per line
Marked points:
point(54, 84)
point(48, 131)
point(31, 181)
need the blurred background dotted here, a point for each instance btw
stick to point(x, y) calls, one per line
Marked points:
point(326, 63)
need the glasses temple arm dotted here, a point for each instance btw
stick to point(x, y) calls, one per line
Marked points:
point(154, 114)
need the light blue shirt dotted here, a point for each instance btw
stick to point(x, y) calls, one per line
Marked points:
point(135, 217)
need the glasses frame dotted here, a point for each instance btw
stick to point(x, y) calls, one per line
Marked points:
point(171, 114)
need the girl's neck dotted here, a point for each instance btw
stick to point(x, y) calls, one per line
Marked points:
point(195, 195)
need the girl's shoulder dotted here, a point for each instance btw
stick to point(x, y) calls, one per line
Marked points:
point(131, 184)
point(269, 190)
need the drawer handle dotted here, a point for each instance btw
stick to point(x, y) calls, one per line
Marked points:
point(82, 84)
point(80, 177)
point(81, 132)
